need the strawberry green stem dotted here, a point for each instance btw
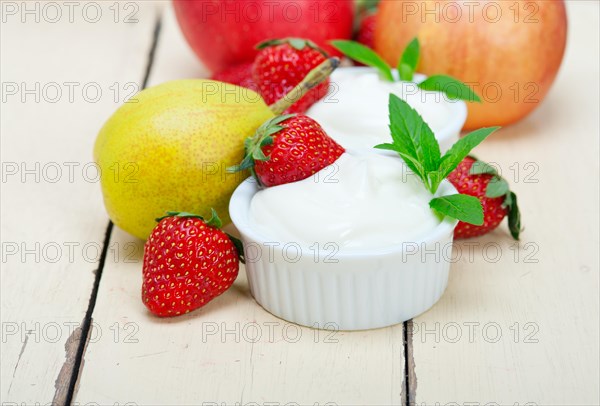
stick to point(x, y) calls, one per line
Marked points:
point(213, 221)
point(314, 78)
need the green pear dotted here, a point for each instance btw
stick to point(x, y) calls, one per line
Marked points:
point(169, 148)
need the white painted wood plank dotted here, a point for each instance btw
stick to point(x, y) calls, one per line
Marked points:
point(230, 351)
point(175, 59)
point(55, 214)
point(554, 359)
point(192, 359)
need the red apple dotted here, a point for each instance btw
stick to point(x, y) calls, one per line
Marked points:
point(509, 50)
point(225, 32)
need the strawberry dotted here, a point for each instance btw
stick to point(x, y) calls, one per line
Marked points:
point(366, 31)
point(240, 75)
point(478, 179)
point(187, 263)
point(282, 64)
point(287, 149)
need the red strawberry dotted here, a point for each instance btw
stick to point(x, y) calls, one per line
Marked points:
point(287, 149)
point(282, 64)
point(366, 31)
point(240, 75)
point(476, 178)
point(187, 263)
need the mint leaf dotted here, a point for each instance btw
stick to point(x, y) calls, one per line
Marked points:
point(461, 207)
point(363, 54)
point(461, 149)
point(413, 139)
point(497, 187)
point(405, 72)
point(409, 60)
point(453, 88)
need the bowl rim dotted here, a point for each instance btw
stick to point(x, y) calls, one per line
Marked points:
point(458, 108)
point(239, 211)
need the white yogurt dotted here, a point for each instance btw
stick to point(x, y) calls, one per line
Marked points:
point(355, 113)
point(360, 202)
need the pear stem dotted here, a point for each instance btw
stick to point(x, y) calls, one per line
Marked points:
point(314, 77)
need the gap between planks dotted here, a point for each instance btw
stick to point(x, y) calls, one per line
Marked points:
point(409, 389)
point(75, 353)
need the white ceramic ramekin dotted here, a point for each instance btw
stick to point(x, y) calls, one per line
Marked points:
point(343, 290)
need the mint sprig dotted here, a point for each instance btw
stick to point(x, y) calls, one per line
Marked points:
point(416, 144)
point(453, 88)
point(463, 207)
point(413, 140)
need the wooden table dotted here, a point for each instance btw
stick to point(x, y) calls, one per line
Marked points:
point(518, 324)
